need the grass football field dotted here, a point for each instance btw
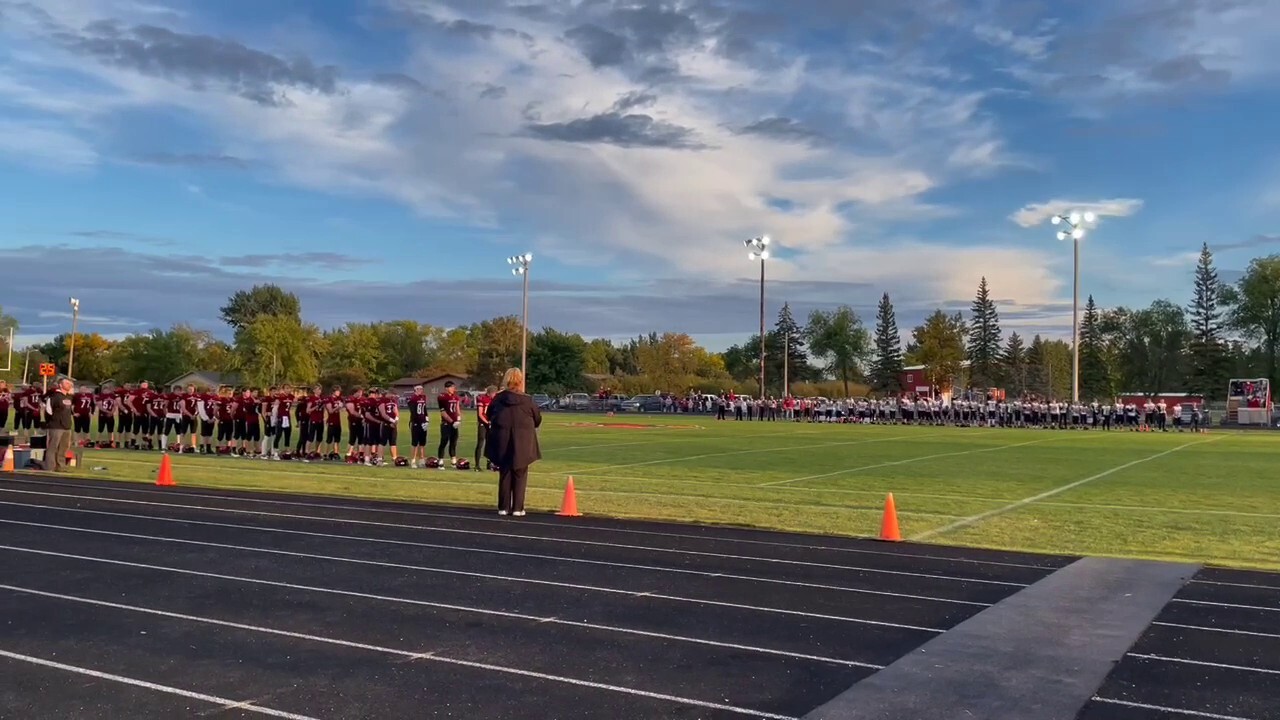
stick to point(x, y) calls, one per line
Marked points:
point(1209, 497)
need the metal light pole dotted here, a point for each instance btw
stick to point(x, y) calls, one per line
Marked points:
point(760, 251)
point(521, 268)
point(1076, 222)
point(786, 362)
point(75, 321)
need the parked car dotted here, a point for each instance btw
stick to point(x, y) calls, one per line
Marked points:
point(543, 401)
point(576, 401)
point(643, 403)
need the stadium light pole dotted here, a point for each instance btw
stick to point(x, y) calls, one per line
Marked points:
point(760, 251)
point(1076, 223)
point(521, 263)
point(75, 321)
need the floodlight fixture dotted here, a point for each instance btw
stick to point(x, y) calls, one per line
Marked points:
point(521, 269)
point(1090, 216)
point(1075, 222)
point(1055, 219)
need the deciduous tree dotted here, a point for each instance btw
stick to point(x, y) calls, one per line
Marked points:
point(1255, 308)
point(245, 306)
point(939, 346)
point(838, 338)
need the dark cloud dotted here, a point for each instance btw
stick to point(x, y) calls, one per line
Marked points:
point(652, 28)
point(633, 100)
point(1255, 241)
point(599, 46)
point(631, 130)
point(325, 260)
point(493, 92)
point(201, 60)
point(192, 160)
point(1187, 70)
point(398, 80)
point(782, 128)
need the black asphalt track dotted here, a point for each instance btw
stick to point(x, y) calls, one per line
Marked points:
point(338, 608)
point(334, 608)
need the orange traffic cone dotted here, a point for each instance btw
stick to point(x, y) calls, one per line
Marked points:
point(889, 524)
point(165, 477)
point(569, 506)
point(8, 459)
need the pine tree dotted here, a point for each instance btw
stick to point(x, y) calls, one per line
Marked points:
point(787, 333)
point(886, 369)
point(984, 338)
point(1095, 377)
point(1013, 362)
point(1206, 353)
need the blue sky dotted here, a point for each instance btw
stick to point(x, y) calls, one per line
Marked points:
point(382, 158)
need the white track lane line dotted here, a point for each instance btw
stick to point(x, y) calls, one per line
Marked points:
point(1202, 663)
point(430, 656)
point(1050, 493)
point(644, 548)
point(485, 576)
point(1225, 605)
point(188, 694)
point(907, 461)
point(785, 448)
point(510, 553)
point(1241, 585)
point(459, 608)
point(1227, 631)
point(1163, 709)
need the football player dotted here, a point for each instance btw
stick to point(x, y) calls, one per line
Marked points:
point(83, 404)
point(284, 401)
point(372, 447)
point(418, 423)
point(354, 407)
point(226, 408)
point(315, 421)
point(157, 417)
point(482, 423)
point(450, 423)
point(333, 407)
point(252, 439)
point(174, 420)
point(6, 399)
point(191, 415)
point(389, 415)
point(107, 407)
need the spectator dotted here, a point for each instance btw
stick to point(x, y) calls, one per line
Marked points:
point(513, 441)
point(58, 409)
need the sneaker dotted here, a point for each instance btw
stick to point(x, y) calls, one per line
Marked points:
point(518, 513)
point(502, 513)
point(413, 464)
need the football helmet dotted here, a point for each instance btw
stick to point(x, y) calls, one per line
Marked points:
point(432, 463)
point(188, 451)
point(462, 464)
point(402, 462)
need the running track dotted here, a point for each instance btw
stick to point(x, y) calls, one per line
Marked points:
point(120, 599)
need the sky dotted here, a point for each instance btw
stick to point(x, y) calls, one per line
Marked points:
point(383, 158)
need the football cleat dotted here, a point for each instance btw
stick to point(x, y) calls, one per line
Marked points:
point(402, 462)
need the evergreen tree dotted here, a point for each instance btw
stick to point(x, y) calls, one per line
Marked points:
point(886, 369)
point(1207, 357)
point(1013, 362)
point(1095, 379)
point(984, 338)
point(787, 333)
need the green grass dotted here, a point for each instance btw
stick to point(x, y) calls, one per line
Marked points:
point(1213, 499)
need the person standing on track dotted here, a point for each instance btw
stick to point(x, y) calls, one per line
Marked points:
point(482, 423)
point(450, 423)
point(58, 409)
point(513, 441)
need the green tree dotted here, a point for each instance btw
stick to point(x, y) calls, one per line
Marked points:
point(497, 344)
point(938, 344)
point(93, 356)
point(741, 362)
point(160, 355)
point(402, 349)
point(448, 352)
point(1013, 364)
point(671, 362)
point(1049, 368)
point(1155, 339)
point(886, 368)
point(1254, 311)
point(838, 338)
point(355, 349)
point(787, 339)
point(556, 361)
point(275, 349)
point(245, 306)
point(1095, 376)
point(984, 338)
point(1207, 360)
point(8, 323)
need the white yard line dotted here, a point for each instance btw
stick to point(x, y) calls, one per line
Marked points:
point(510, 553)
point(1163, 709)
point(188, 694)
point(1202, 663)
point(430, 657)
point(905, 462)
point(483, 576)
point(781, 449)
point(1050, 493)
point(540, 538)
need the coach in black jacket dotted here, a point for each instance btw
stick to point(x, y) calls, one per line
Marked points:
point(513, 441)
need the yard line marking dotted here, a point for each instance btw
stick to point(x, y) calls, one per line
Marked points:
point(1231, 584)
point(1203, 663)
point(1225, 605)
point(430, 657)
point(1149, 508)
point(188, 694)
point(1163, 709)
point(512, 553)
point(429, 528)
point(1218, 630)
point(476, 611)
point(559, 526)
point(1050, 493)
point(549, 583)
point(784, 448)
point(904, 462)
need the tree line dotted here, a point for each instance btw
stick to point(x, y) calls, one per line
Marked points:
point(1226, 330)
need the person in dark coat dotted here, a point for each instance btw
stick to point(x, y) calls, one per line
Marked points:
point(512, 441)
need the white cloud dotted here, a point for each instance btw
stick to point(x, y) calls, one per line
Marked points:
point(46, 146)
point(1038, 213)
point(1177, 260)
